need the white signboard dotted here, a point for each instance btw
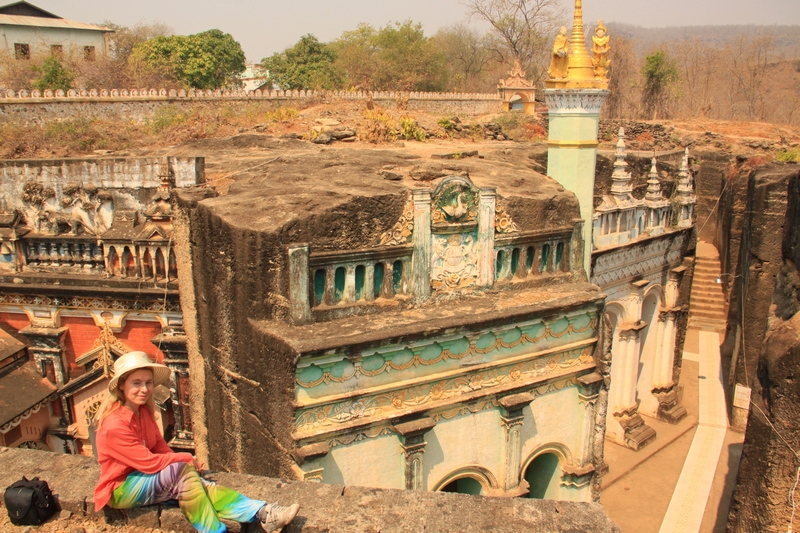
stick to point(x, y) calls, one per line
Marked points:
point(741, 397)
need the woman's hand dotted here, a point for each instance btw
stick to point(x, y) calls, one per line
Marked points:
point(197, 464)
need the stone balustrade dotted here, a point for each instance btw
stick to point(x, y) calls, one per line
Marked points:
point(346, 279)
point(524, 257)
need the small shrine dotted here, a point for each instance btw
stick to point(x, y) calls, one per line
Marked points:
point(516, 85)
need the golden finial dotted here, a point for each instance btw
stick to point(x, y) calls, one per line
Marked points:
point(580, 72)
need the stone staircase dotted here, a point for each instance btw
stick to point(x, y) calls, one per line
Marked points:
point(707, 308)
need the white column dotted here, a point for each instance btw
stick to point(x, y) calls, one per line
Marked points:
point(668, 355)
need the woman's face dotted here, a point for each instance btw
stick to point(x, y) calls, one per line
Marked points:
point(137, 388)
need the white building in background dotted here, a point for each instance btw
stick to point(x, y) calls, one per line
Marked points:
point(28, 30)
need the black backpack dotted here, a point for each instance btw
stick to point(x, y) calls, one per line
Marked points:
point(29, 502)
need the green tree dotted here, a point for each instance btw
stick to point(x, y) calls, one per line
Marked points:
point(660, 75)
point(396, 57)
point(52, 74)
point(208, 60)
point(309, 64)
point(356, 56)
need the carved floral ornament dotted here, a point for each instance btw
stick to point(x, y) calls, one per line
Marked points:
point(401, 232)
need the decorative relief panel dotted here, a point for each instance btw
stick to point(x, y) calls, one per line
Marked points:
point(91, 303)
point(454, 261)
point(454, 202)
point(81, 209)
point(575, 101)
point(327, 416)
point(502, 220)
point(624, 264)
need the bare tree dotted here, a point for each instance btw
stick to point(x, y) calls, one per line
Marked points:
point(624, 80)
point(698, 63)
point(467, 55)
point(748, 61)
point(522, 30)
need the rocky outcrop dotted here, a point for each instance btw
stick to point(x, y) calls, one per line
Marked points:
point(759, 240)
point(323, 507)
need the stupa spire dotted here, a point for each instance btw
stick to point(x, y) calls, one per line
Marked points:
point(580, 64)
point(620, 178)
point(653, 185)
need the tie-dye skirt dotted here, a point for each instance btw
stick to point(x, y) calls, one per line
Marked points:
point(202, 502)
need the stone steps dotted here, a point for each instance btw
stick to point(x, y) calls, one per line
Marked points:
point(708, 307)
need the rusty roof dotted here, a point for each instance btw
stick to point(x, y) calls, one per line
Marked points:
point(22, 391)
point(42, 22)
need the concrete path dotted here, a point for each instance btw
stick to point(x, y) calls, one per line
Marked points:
point(688, 503)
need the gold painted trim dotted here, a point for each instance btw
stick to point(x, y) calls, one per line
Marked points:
point(574, 144)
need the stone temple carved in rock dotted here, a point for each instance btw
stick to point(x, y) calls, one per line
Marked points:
point(482, 329)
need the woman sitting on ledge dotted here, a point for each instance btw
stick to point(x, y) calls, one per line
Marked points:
point(138, 468)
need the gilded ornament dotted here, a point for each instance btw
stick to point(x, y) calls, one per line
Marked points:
point(559, 61)
point(600, 50)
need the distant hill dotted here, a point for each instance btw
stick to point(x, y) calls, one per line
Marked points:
point(787, 38)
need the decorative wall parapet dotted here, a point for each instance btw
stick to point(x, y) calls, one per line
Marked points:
point(9, 96)
point(621, 218)
point(455, 238)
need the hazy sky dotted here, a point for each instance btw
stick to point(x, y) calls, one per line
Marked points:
point(267, 26)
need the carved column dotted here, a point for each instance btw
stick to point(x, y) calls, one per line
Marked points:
point(636, 432)
point(413, 444)
point(486, 214)
point(588, 390)
point(664, 388)
point(172, 341)
point(512, 421)
point(421, 238)
point(299, 298)
point(47, 347)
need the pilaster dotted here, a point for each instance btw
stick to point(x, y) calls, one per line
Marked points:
point(47, 347)
point(512, 421)
point(412, 436)
point(172, 342)
point(421, 239)
point(488, 204)
point(299, 298)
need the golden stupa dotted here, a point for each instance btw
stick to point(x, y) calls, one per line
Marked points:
point(580, 68)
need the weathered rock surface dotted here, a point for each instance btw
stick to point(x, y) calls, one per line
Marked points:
point(324, 508)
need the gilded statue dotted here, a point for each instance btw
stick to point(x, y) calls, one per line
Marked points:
point(600, 49)
point(559, 63)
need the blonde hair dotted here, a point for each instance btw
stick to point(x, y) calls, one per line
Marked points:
point(114, 400)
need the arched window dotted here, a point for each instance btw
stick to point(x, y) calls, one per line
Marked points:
point(338, 285)
point(377, 280)
point(319, 286)
point(544, 477)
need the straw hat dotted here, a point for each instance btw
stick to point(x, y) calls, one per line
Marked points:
point(134, 361)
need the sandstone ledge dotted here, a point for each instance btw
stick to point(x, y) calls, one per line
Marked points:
point(325, 508)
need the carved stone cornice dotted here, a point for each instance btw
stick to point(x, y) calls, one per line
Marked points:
point(581, 101)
